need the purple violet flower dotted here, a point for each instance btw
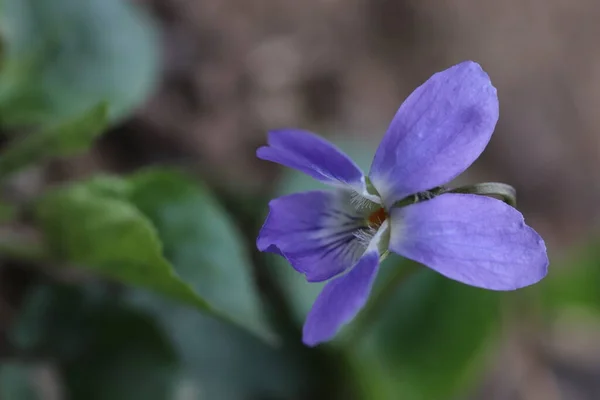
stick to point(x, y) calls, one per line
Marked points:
point(343, 234)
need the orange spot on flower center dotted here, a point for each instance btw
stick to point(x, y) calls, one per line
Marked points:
point(377, 218)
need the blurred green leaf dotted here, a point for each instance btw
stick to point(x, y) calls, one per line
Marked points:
point(206, 249)
point(17, 383)
point(53, 321)
point(105, 349)
point(65, 139)
point(222, 361)
point(110, 349)
point(8, 212)
point(110, 186)
point(129, 357)
point(117, 227)
point(574, 285)
point(430, 339)
point(110, 236)
point(201, 242)
point(62, 57)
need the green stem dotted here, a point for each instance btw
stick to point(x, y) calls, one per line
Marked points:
point(368, 315)
point(507, 193)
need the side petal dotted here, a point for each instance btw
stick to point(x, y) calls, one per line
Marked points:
point(437, 133)
point(315, 232)
point(312, 155)
point(473, 239)
point(340, 301)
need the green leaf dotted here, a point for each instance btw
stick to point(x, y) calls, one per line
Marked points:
point(201, 242)
point(62, 57)
point(111, 350)
point(17, 382)
point(66, 139)
point(109, 236)
point(8, 212)
point(108, 186)
point(129, 357)
point(136, 230)
point(429, 341)
point(574, 285)
point(106, 350)
point(224, 362)
point(52, 320)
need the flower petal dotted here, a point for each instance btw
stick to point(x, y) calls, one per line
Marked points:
point(441, 129)
point(315, 232)
point(340, 300)
point(312, 155)
point(473, 239)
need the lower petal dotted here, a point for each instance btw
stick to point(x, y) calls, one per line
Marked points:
point(473, 239)
point(340, 301)
point(315, 232)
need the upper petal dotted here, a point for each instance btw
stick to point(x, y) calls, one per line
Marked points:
point(340, 300)
point(441, 128)
point(315, 232)
point(473, 239)
point(312, 155)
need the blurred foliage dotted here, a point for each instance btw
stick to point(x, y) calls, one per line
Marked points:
point(17, 382)
point(220, 361)
point(105, 350)
point(575, 283)
point(201, 241)
point(62, 57)
point(137, 346)
point(8, 212)
point(207, 252)
point(430, 339)
point(110, 236)
point(125, 228)
point(65, 139)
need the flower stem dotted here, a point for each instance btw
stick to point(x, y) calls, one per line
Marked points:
point(507, 193)
point(368, 315)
